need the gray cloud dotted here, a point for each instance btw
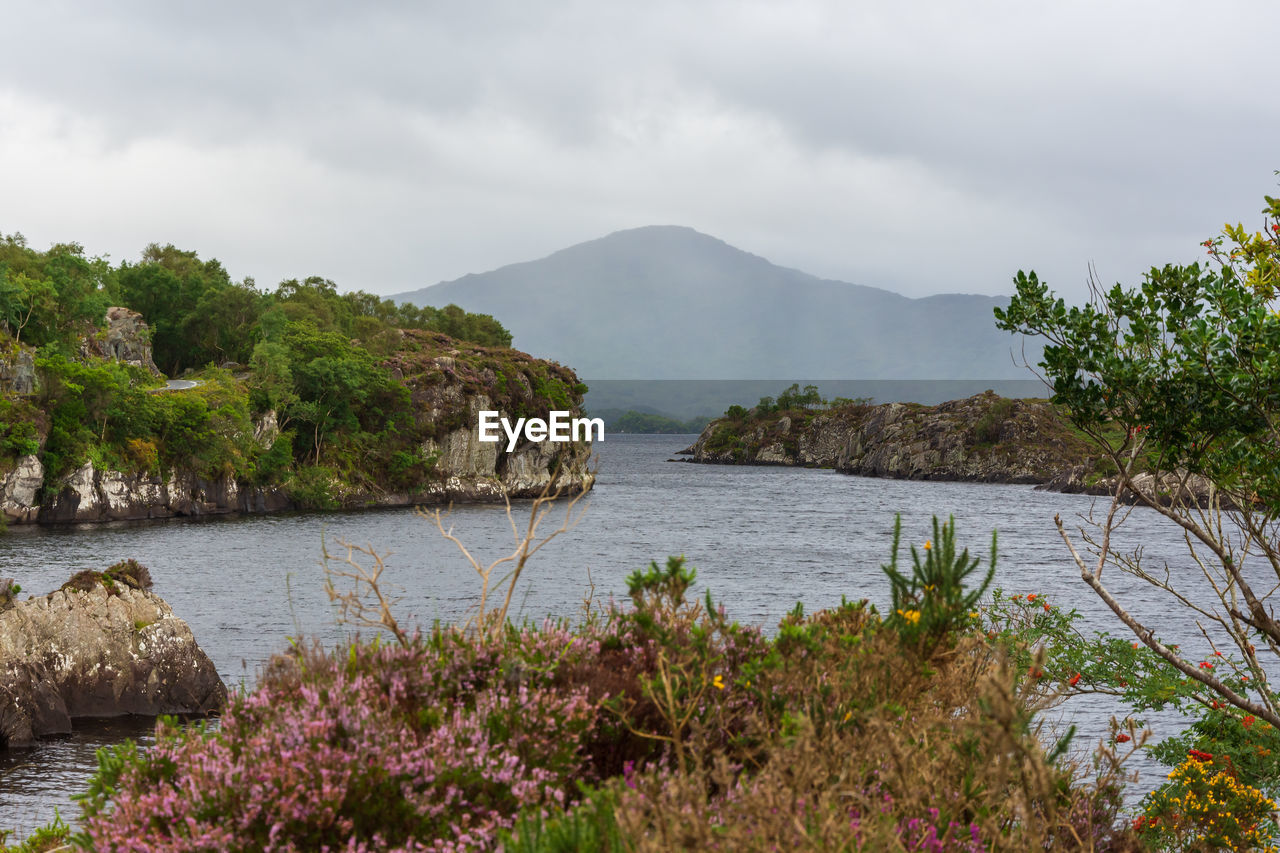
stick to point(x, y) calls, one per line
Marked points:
point(924, 147)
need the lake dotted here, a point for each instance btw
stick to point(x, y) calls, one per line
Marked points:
point(761, 538)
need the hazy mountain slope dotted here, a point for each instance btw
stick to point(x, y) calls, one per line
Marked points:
point(666, 302)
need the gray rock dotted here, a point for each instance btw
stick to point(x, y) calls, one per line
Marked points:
point(97, 652)
point(472, 470)
point(981, 438)
point(20, 489)
point(126, 339)
point(18, 371)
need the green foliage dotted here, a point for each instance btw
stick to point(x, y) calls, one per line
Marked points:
point(53, 836)
point(312, 487)
point(196, 313)
point(932, 606)
point(1187, 363)
point(591, 824)
point(1203, 808)
point(988, 428)
point(51, 296)
point(794, 398)
point(660, 588)
point(1241, 744)
point(19, 428)
point(1179, 378)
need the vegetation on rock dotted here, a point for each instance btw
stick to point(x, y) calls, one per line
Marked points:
point(327, 397)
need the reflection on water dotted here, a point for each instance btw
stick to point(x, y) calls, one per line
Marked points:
point(761, 538)
point(35, 780)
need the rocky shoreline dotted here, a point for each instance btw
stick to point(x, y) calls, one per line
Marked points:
point(984, 438)
point(447, 395)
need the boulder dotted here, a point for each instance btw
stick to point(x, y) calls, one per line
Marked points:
point(126, 339)
point(100, 646)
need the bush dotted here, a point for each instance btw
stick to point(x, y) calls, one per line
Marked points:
point(663, 725)
point(312, 487)
point(990, 427)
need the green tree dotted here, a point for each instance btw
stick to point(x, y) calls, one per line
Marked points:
point(51, 296)
point(1177, 382)
point(196, 313)
point(337, 386)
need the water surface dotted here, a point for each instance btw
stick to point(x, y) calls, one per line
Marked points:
point(761, 538)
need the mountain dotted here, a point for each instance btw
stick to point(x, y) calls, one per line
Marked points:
point(667, 302)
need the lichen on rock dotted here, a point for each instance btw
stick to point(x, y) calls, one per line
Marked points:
point(102, 645)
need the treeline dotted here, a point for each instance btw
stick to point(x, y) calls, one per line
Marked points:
point(306, 355)
point(197, 314)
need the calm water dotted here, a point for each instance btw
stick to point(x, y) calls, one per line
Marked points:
point(761, 538)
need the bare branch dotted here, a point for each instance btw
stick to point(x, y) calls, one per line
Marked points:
point(353, 607)
point(1147, 636)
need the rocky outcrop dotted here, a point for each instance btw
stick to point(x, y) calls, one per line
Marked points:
point(485, 471)
point(18, 369)
point(449, 383)
point(983, 438)
point(88, 495)
point(100, 646)
point(126, 339)
point(20, 490)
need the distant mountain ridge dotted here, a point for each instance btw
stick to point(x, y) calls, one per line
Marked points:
point(668, 302)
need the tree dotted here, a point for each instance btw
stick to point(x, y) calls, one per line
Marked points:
point(196, 313)
point(1177, 382)
point(49, 296)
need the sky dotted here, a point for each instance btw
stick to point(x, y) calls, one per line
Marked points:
point(922, 147)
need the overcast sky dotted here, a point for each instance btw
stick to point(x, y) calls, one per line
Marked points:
point(922, 147)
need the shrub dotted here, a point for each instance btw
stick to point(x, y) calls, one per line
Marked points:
point(1202, 808)
point(990, 427)
point(663, 725)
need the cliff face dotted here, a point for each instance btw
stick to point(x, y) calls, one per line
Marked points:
point(983, 438)
point(451, 382)
point(102, 645)
point(17, 369)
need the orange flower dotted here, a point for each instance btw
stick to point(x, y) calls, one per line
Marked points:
point(1122, 738)
point(1074, 680)
point(1046, 607)
point(1031, 597)
point(1248, 721)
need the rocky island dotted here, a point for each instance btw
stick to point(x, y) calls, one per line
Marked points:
point(983, 438)
point(101, 645)
point(302, 398)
